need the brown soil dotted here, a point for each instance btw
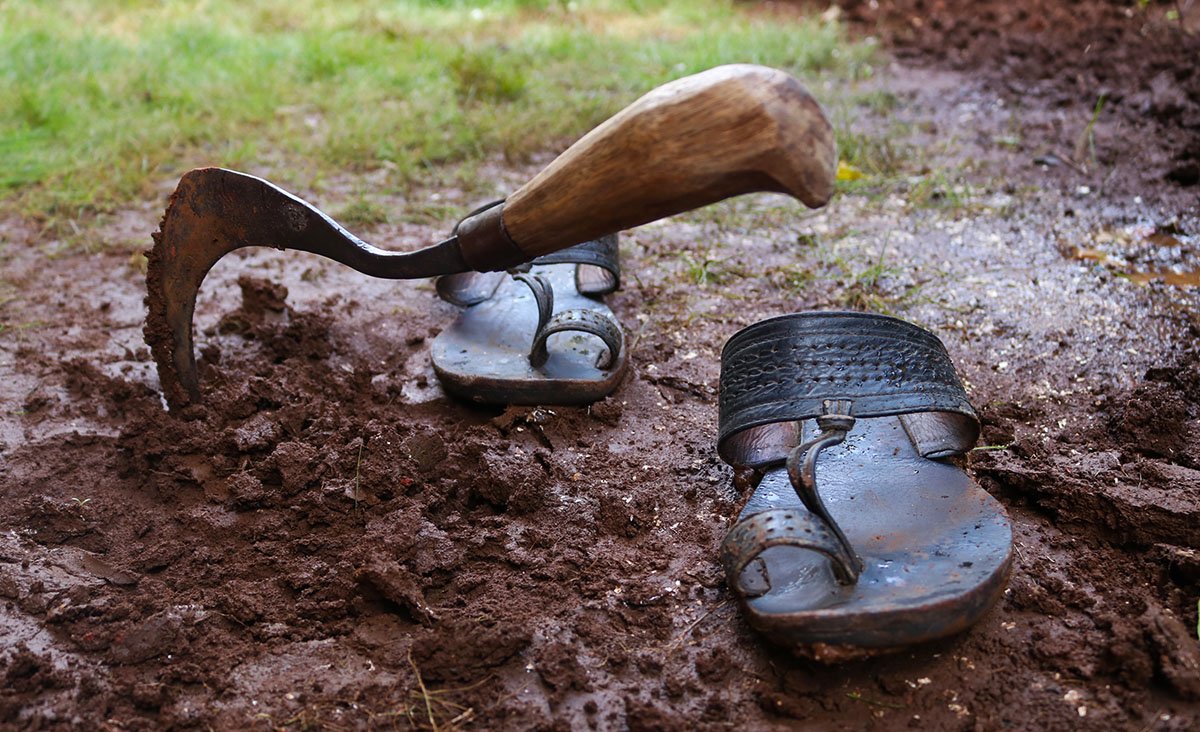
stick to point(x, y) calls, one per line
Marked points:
point(331, 542)
point(1135, 61)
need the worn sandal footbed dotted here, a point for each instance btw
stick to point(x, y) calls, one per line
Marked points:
point(862, 536)
point(539, 336)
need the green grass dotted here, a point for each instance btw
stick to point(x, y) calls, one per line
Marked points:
point(362, 213)
point(101, 103)
point(702, 271)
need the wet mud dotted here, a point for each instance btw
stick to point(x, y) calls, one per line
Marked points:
point(329, 541)
point(1129, 65)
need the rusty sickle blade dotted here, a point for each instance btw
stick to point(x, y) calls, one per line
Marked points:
point(213, 212)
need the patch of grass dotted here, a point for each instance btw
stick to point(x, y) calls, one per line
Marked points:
point(992, 448)
point(1086, 144)
point(876, 157)
point(870, 296)
point(102, 103)
point(867, 285)
point(792, 279)
point(362, 213)
point(6, 326)
point(485, 75)
point(431, 213)
point(877, 100)
point(937, 189)
point(864, 290)
point(703, 271)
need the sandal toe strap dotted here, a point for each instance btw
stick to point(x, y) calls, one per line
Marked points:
point(794, 527)
point(584, 321)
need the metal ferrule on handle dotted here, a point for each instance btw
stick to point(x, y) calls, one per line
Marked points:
point(484, 243)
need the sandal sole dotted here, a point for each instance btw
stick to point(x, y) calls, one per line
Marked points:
point(937, 550)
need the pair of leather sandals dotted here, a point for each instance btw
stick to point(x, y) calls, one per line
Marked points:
point(863, 533)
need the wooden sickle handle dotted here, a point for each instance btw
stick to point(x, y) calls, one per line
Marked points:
point(697, 140)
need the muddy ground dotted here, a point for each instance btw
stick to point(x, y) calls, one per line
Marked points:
point(332, 542)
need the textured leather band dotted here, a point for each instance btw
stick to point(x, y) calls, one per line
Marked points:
point(784, 369)
point(583, 321)
point(603, 253)
point(543, 297)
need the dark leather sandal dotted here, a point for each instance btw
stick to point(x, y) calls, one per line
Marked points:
point(538, 336)
point(862, 536)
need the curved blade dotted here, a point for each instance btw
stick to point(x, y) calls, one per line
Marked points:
point(214, 211)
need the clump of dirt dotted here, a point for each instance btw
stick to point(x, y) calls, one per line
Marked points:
point(1158, 418)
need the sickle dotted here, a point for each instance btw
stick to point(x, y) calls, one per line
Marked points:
point(697, 140)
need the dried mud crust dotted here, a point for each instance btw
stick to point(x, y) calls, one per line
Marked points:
point(157, 330)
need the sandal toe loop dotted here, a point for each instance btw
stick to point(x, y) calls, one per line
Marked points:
point(584, 321)
point(755, 534)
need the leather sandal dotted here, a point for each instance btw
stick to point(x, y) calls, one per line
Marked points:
point(862, 536)
point(536, 336)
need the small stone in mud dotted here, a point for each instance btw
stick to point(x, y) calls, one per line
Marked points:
point(210, 353)
point(258, 432)
point(399, 586)
point(9, 590)
point(558, 665)
point(512, 482)
point(608, 411)
point(152, 637)
point(427, 450)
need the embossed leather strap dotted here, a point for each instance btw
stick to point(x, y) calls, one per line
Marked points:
point(599, 270)
point(583, 321)
point(783, 370)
